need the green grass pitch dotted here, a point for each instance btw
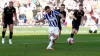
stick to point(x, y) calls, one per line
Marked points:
point(30, 42)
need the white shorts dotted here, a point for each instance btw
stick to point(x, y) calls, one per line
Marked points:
point(54, 30)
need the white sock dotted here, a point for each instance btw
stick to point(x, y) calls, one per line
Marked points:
point(51, 42)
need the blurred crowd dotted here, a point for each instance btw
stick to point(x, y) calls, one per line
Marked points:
point(28, 11)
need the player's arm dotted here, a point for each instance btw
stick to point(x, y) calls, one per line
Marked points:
point(41, 20)
point(57, 13)
point(83, 16)
point(74, 17)
point(74, 14)
point(65, 14)
point(3, 14)
point(3, 17)
point(15, 15)
point(62, 16)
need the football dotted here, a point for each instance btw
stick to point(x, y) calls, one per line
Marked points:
point(70, 41)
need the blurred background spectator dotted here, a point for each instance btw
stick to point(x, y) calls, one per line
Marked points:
point(30, 10)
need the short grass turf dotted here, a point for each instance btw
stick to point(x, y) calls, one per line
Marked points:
point(35, 45)
point(32, 41)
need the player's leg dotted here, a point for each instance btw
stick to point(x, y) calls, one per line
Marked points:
point(59, 32)
point(96, 28)
point(77, 28)
point(56, 37)
point(60, 28)
point(74, 26)
point(56, 34)
point(4, 32)
point(73, 32)
point(53, 36)
point(11, 33)
point(72, 36)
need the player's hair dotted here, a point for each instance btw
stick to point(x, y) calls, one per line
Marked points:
point(80, 4)
point(62, 4)
point(10, 1)
point(47, 7)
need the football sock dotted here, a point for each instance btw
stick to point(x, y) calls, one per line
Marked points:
point(72, 35)
point(3, 34)
point(51, 42)
point(10, 35)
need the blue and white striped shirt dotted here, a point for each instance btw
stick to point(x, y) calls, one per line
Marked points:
point(52, 18)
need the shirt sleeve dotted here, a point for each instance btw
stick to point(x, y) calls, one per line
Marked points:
point(4, 11)
point(56, 12)
point(14, 10)
point(64, 14)
point(75, 13)
point(83, 13)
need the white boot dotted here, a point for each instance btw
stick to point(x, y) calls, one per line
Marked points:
point(3, 40)
point(10, 41)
